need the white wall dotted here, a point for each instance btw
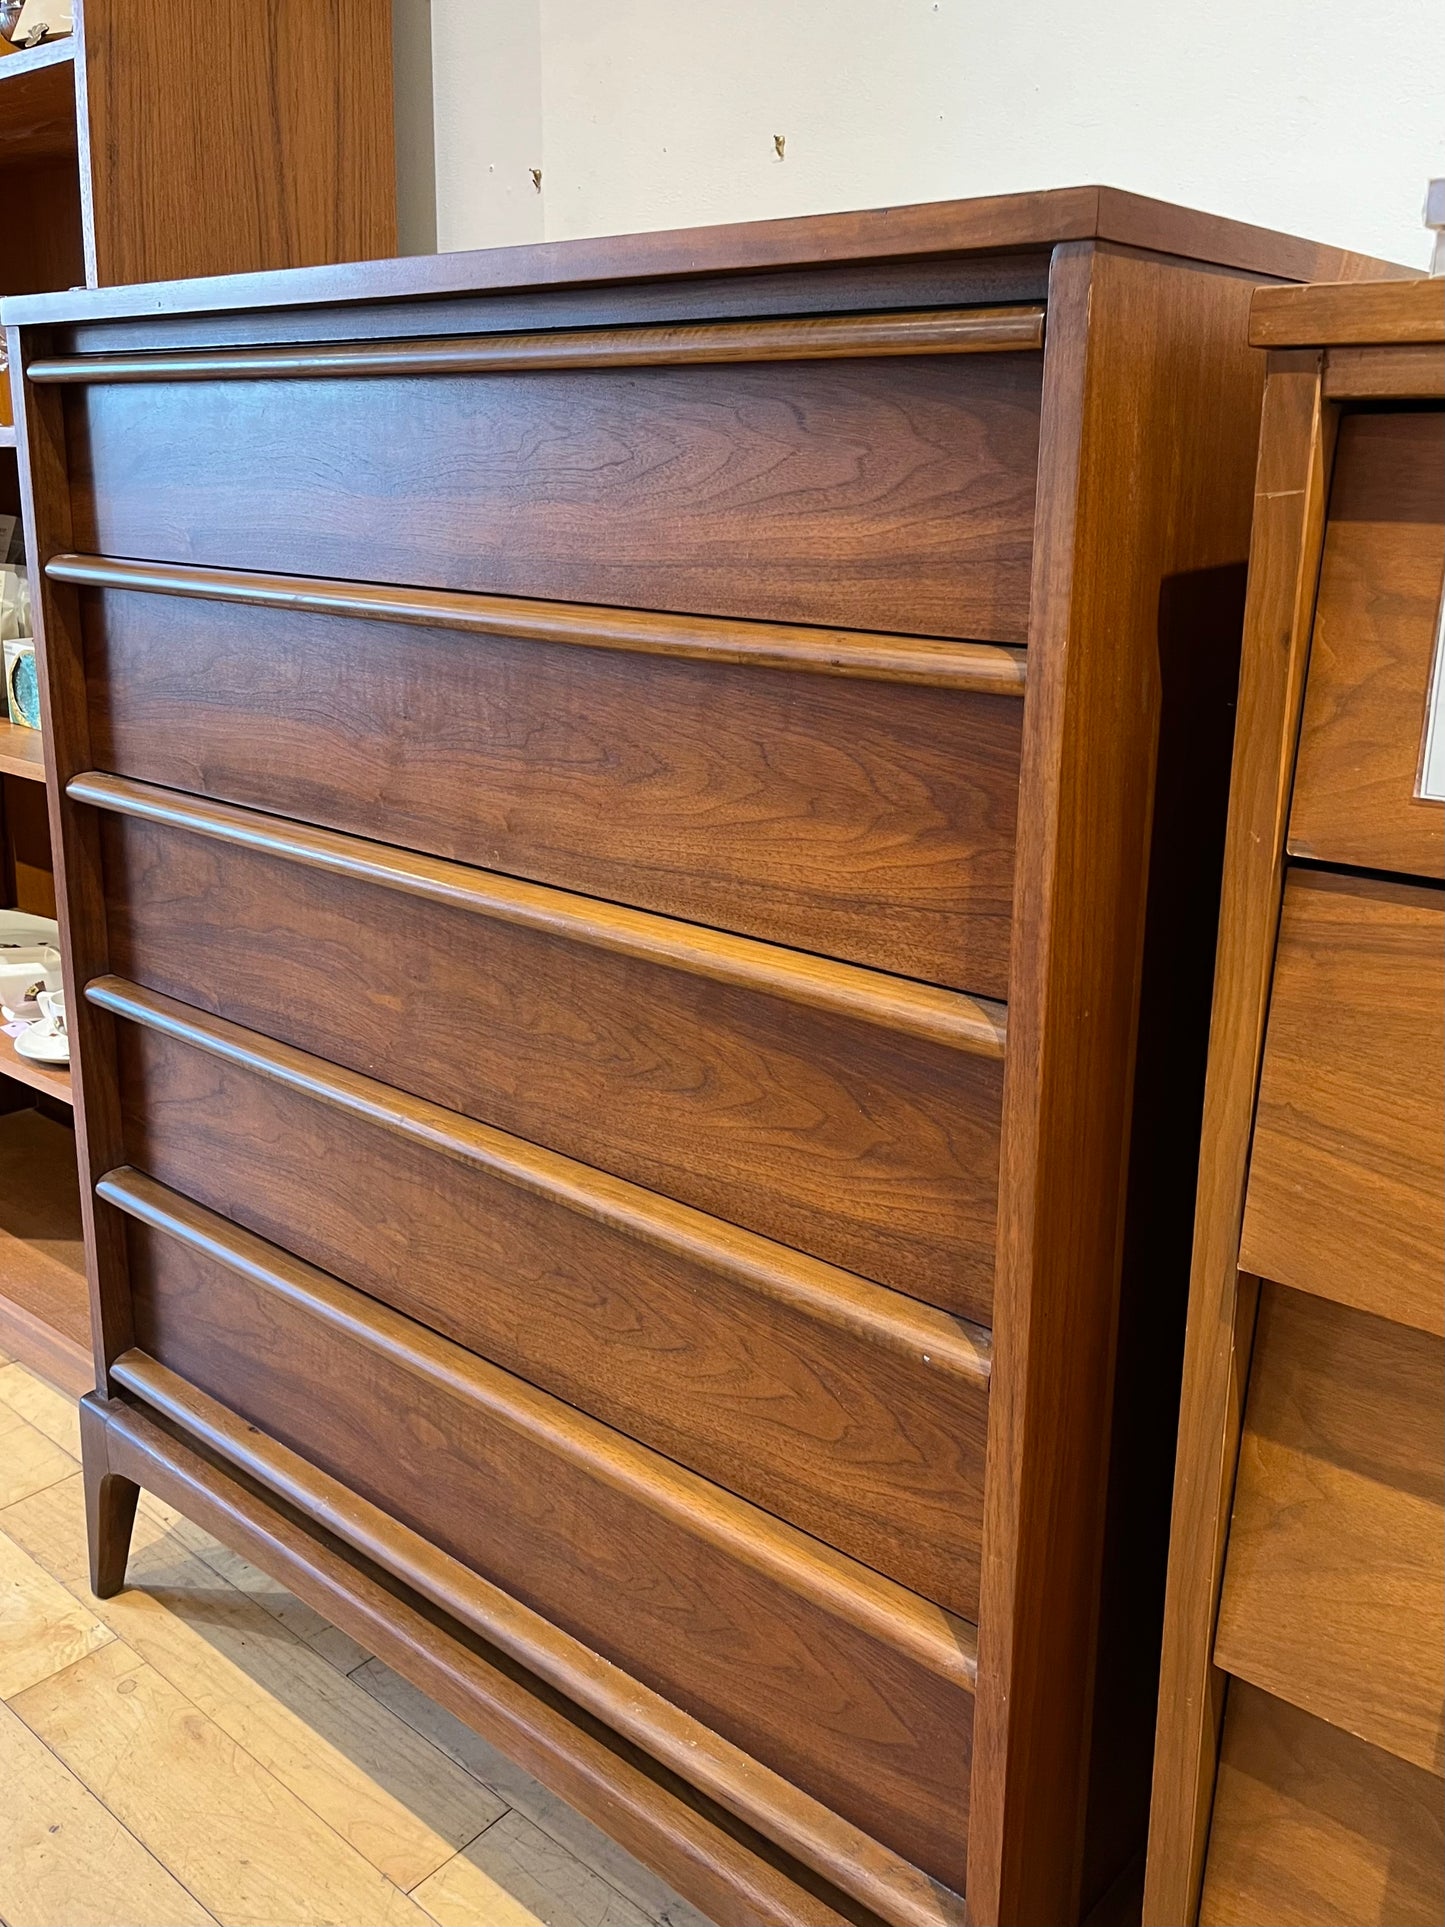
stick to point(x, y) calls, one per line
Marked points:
point(1318, 116)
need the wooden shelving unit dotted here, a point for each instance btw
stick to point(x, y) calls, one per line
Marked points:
point(149, 146)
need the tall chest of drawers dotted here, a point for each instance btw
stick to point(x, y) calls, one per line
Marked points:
point(633, 820)
point(1301, 1739)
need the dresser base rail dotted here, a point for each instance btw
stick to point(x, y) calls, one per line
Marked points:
point(714, 1857)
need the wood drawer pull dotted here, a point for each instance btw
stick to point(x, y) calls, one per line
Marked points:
point(977, 668)
point(940, 1642)
point(947, 1017)
point(810, 1285)
point(781, 1811)
point(957, 331)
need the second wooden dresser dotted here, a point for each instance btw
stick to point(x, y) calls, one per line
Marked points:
point(608, 804)
point(1302, 1709)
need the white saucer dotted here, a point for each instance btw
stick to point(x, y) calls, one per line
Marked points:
point(42, 1045)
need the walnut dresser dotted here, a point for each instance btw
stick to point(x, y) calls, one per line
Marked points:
point(1301, 1740)
point(607, 800)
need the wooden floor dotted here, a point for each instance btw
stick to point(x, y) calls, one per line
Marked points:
point(206, 1748)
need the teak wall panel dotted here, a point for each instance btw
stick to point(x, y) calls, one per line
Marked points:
point(1346, 1191)
point(787, 806)
point(874, 1450)
point(1372, 651)
point(882, 494)
point(270, 128)
point(859, 1721)
point(1334, 1585)
point(872, 1149)
point(1314, 1828)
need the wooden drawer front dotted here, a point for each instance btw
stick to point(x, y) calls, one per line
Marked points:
point(1314, 1828)
point(1346, 1191)
point(849, 1686)
point(857, 1415)
point(871, 1148)
point(869, 494)
point(864, 819)
point(1370, 658)
point(1334, 1580)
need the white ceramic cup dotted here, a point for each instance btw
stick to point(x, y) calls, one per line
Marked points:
point(52, 1010)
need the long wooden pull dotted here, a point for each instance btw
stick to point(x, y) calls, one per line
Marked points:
point(956, 331)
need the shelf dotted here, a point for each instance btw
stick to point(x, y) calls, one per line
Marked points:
point(22, 751)
point(51, 1079)
point(37, 103)
point(44, 1302)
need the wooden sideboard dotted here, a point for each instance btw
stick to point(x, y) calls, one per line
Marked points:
point(1301, 1738)
point(639, 820)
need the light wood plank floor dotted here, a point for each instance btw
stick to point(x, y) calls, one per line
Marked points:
point(205, 1748)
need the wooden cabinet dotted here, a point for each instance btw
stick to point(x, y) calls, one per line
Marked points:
point(156, 140)
point(639, 822)
point(1301, 1738)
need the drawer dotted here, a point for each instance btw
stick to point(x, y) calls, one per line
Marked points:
point(885, 494)
point(861, 818)
point(850, 1687)
point(1346, 1192)
point(861, 1142)
point(1334, 1578)
point(855, 1414)
point(1314, 1828)
point(1371, 654)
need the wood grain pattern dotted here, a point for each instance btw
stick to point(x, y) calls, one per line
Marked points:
point(965, 331)
point(979, 668)
point(781, 806)
point(101, 1856)
point(698, 1596)
point(1090, 749)
point(853, 1413)
point(1411, 373)
point(1347, 1177)
point(969, 1024)
point(124, 1731)
point(1313, 1828)
point(695, 1843)
point(689, 1087)
point(1373, 648)
point(739, 1783)
point(225, 123)
point(1307, 317)
point(885, 494)
point(1291, 489)
point(37, 102)
point(43, 1312)
point(1334, 1586)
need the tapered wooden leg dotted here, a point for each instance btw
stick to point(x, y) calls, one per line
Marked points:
point(110, 1502)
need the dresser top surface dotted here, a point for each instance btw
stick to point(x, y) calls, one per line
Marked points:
point(1350, 314)
point(992, 224)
